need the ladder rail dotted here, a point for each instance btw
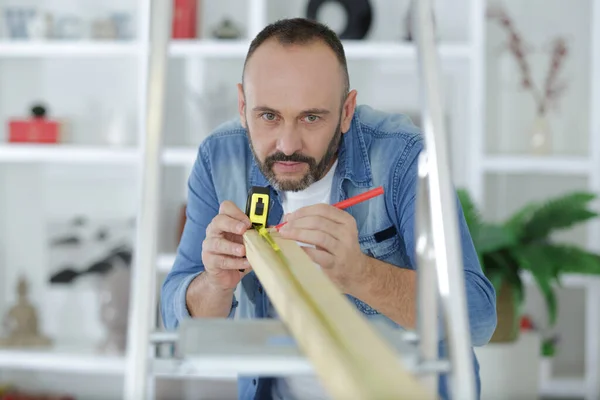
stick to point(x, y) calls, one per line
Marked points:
point(438, 226)
point(143, 282)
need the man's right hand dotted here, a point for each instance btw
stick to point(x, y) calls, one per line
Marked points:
point(223, 251)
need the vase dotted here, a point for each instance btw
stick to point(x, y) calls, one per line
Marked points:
point(540, 135)
point(507, 328)
point(114, 309)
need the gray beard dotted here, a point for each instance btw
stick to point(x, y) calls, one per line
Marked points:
point(317, 170)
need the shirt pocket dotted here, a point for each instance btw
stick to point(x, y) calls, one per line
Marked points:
point(385, 246)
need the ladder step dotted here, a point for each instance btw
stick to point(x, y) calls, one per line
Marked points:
point(225, 348)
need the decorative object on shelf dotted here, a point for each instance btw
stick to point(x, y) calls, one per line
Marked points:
point(104, 29)
point(227, 29)
point(21, 322)
point(522, 244)
point(114, 304)
point(122, 22)
point(22, 22)
point(185, 19)
point(33, 24)
point(84, 248)
point(68, 27)
point(408, 22)
point(359, 16)
point(119, 130)
point(545, 97)
point(36, 129)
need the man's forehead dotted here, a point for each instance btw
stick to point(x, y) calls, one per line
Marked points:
point(296, 68)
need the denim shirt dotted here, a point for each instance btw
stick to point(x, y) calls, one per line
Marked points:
point(380, 149)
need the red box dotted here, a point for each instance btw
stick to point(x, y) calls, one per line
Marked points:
point(184, 19)
point(36, 130)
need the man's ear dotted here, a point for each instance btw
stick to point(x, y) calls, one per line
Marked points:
point(348, 111)
point(241, 104)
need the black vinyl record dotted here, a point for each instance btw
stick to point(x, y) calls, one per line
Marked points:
point(359, 16)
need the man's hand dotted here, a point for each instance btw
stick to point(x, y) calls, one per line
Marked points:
point(223, 251)
point(335, 235)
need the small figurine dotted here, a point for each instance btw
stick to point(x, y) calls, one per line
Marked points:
point(227, 30)
point(21, 322)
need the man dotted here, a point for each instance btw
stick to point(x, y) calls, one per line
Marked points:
point(301, 134)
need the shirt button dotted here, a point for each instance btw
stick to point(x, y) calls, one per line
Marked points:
point(254, 381)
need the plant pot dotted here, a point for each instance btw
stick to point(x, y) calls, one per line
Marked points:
point(507, 329)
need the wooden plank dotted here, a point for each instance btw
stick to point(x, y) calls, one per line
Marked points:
point(350, 358)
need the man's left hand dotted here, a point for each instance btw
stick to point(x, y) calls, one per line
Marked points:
point(335, 235)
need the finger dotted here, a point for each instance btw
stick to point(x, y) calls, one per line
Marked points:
point(220, 261)
point(234, 238)
point(312, 236)
point(219, 245)
point(226, 224)
point(323, 258)
point(314, 222)
point(229, 208)
point(323, 210)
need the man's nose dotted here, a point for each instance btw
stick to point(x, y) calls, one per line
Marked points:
point(289, 141)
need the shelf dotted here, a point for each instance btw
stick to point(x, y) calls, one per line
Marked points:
point(68, 49)
point(78, 154)
point(532, 164)
point(564, 388)
point(567, 280)
point(71, 359)
point(66, 154)
point(355, 49)
point(185, 156)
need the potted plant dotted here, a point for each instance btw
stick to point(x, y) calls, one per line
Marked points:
point(523, 244)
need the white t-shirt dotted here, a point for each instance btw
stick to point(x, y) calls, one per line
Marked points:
point(305, 387)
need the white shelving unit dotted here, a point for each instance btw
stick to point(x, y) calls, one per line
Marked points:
point(71, 359)
point(88, 49)
point(482, 163)
point(468, 108)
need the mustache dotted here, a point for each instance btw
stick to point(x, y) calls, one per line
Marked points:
point(296, 157)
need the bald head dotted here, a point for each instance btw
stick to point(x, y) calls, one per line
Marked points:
point(299, 32)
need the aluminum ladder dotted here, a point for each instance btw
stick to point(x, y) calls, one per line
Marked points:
point(438, 249)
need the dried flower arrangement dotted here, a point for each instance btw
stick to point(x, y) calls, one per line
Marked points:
point(553, 87)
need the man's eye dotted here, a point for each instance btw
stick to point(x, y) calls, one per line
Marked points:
point(311, 118)
point(268, 116)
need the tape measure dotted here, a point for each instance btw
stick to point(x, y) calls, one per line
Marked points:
point(257, 209)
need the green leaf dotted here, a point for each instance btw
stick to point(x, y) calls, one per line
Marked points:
point(516, 223)
point(491, 238)
point(559, 213)
point(472, 216)
point(571, 259)
point(536, 260)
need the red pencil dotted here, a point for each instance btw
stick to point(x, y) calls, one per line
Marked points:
point(352, 200)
